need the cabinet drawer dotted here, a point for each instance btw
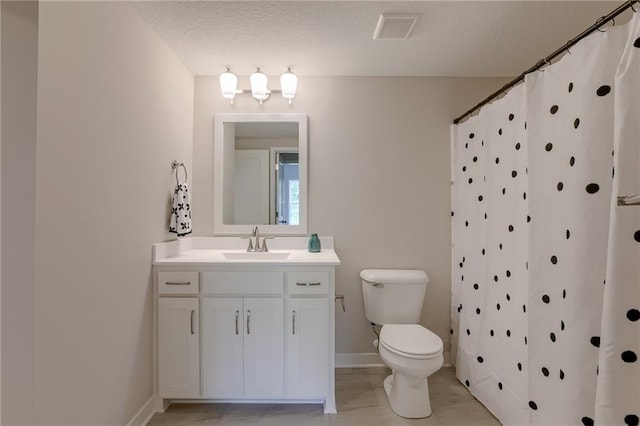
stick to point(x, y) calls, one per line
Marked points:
point(243, 282)
point(308, 282)
point(178, 282)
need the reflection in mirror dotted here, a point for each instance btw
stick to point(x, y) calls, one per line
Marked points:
point(260, 173)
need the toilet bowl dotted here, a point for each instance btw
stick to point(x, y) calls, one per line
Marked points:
point(393, 298)
point(413, 353)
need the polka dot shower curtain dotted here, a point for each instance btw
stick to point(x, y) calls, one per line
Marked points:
point(546, 265)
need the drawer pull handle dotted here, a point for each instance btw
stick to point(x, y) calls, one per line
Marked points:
point(248, 322)
point(308, 284)
point(178, 283)
point(237, 319)
point(293, 316)
point(192, 317)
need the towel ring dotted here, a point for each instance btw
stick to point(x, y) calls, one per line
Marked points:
point(175, 165)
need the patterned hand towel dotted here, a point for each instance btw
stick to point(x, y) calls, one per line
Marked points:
point(180, 222)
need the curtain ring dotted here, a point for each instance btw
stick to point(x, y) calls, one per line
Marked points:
point(631, 2)
point(597, 24)
point(566, 46)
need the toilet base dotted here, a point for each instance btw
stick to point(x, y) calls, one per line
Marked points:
point(406, 397)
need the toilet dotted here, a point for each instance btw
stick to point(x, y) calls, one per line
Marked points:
point(393, 298)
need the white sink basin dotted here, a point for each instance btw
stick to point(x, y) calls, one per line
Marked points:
point(256, 255)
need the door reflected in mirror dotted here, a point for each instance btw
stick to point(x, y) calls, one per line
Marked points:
point(260, 173)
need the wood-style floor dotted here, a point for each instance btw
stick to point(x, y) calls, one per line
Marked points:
point(360, 399)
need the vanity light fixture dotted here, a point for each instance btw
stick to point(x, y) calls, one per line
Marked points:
point(259, 86)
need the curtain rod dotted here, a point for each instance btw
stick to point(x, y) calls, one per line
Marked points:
point(546, 61)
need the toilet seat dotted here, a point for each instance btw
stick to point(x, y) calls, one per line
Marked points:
point(410, 341)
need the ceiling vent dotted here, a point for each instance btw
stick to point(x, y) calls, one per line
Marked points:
point(395, 25)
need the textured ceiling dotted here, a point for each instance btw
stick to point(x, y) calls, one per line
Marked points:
point(328, 38)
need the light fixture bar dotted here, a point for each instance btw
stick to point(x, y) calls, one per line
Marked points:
point(259, 86)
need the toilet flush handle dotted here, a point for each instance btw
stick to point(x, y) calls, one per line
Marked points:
point(340, 297)
point(378, 285)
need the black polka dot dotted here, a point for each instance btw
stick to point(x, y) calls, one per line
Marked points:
point(498, 306)
point(564, 293)
point(466, 223)
point(508, 333)
point(525, 340)
point(552, 336)
point(500, 385)
point(518, 146)
point(570, 87)
point(511, 117)
point(603, 90)
point(592, 188)
point(504, 191)
point(479, 197)
point(464, 168)
point(491, 333)
point(510, 228)
point(637, 44)
point(476, 286)
point(468, 332)
point(572, 161)
point(483, 251)
point(633, 315)
point(475, 159)
point(466, 382)
point(561, 375)
point(508, 297)
point(508, 273)
point(629, 356)
point(528, 218)
point(524, 308)
point(568, 234)
point(480, 359)
point(595, 341)
point(514, 173)
point(451, 331)
point(546, 299)
point(495, 278)
point(471, 135)
point(497, 160)
point(553, 109)
point(561, 325)
point(587, 421)
point(636, 236)
point(478, 311)
point(520, 366)
point(632, 419)
point(533, 405)
point(576, 123)
point(545, 371)
point(554, 259)
point(548, 147)
point(560, 186)
point(500, 132)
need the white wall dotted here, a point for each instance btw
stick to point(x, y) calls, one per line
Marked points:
point(379, 178)
point(19, 77)
point(115, 107)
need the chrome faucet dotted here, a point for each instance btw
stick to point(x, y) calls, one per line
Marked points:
point(256, 247)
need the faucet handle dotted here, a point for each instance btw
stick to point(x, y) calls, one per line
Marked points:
point(250, 248)
point(264, 243)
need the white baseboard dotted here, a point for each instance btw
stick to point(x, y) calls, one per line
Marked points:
point(143, 415)
point(363, 360)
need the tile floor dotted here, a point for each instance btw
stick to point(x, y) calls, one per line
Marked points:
point(360, 399)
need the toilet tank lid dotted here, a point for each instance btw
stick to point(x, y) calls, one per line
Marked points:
point(395, 276)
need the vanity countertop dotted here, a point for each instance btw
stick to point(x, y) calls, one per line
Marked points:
point(232, 251)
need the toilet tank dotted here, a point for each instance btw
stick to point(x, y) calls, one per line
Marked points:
point(393, 296)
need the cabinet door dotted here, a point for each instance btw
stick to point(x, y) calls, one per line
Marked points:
point(307, 337)
point(263, 348)
point(178, 345)
point(222, 335)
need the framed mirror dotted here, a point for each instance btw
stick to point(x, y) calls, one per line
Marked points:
point(260, 174)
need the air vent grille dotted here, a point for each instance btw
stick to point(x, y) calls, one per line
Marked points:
point(395, 25)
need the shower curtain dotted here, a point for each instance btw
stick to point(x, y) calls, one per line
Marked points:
point(545, 264)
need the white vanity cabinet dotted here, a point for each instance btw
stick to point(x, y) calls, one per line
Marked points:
point(231, 332)
point(242, 348)
point(178, 337)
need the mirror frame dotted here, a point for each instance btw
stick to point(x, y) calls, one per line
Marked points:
point(220, 228)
